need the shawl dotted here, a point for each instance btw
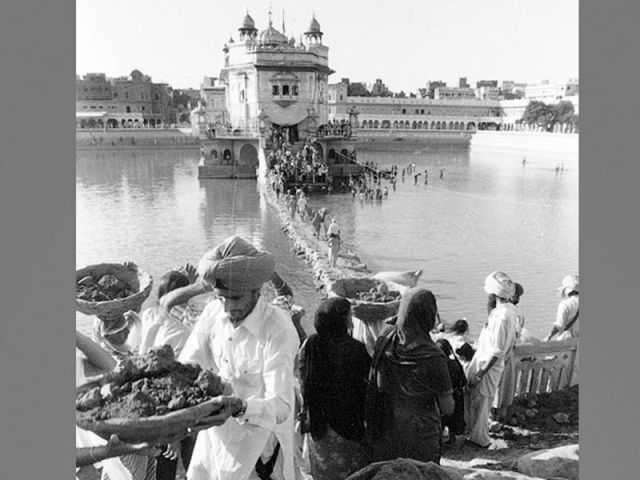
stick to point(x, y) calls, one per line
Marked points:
point(405, 343)
point(334, 369)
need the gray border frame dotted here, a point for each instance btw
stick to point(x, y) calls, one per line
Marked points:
point(37, 239)
point(609, 223)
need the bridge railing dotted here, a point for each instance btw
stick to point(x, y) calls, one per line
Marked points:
point(544, 367)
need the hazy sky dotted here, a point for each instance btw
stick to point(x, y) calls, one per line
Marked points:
point(403, 42)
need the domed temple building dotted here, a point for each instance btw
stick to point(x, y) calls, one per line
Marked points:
point(269, 82)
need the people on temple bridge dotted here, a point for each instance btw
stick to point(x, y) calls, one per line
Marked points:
point(342, 128)
point(333, 235)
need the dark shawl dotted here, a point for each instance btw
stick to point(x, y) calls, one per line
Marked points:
point(333, 371)
point(408, 373)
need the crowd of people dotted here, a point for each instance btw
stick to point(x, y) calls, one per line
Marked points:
point(290, 166)
point(336, 128)
point(316, 405)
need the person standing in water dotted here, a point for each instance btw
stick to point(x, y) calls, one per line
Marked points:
point(333, 236)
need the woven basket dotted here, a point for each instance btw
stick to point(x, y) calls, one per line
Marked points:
point(365, 311)
point(112, 309)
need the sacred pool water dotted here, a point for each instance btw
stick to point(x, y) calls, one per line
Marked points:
point(489, 212)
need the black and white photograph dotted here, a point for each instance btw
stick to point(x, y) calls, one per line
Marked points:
point(327, 240)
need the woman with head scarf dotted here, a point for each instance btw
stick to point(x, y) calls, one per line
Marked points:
point(409, 385)
point(485, 369)
point(333, 373)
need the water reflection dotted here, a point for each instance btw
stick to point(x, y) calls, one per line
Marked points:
point(487, 213)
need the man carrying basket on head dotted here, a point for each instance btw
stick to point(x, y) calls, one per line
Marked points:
point(252, 345)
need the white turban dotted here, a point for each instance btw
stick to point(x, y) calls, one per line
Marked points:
point(499, 284)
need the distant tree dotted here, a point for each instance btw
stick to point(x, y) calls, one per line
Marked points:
point(412, 95)
point(548, 116)
point(357, 90)
point(401, 94)
point(539, 114)
point(564, 111)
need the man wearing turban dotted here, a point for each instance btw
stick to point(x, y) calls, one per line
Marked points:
point(252, 345)
point(486, 367)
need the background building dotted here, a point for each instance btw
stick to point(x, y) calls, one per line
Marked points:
point(548, 92)
point(133, 101)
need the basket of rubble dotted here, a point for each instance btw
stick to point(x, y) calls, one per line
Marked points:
point(148, 401)
point(371, 300)
point(107, 290)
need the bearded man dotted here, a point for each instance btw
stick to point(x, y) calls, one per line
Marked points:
point(252, 345)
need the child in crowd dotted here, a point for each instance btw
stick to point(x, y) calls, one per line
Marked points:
point(454, 422)
point(464, 353)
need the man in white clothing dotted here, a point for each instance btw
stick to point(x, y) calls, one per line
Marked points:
point(486, 366)
point(252, 345)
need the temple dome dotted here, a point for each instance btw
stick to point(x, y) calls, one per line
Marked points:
point(314, 26)
point(248, 23)
point(271, 36)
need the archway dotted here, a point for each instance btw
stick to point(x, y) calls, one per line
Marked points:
point(450, 125)
point(395, 124)
point(407, 124)
point(112, 123)
point(438, 126)
point(433, 125)
point(471, 126)
point(248, 155)
point(420, 125)
point(92, 123)
point(414, 125)
point(376, 124)
point(320, 150)
point(83, 123)
point(226, 157)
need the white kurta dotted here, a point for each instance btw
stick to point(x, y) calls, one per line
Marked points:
point(567, 309)
point(157, 328)
point(257, 358)
point(496, 338)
